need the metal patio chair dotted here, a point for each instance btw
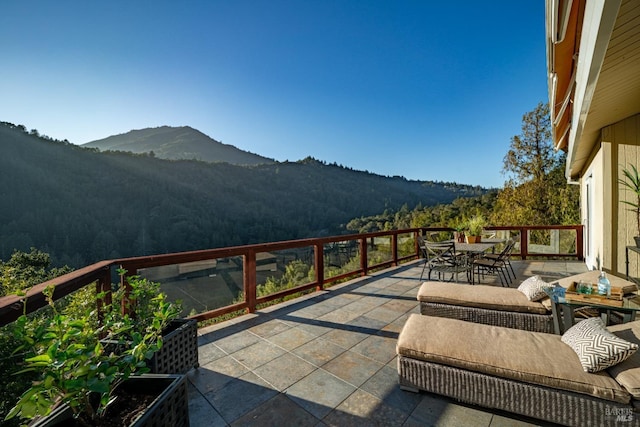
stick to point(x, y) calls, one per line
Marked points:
point(495, 264)
point(441, 258)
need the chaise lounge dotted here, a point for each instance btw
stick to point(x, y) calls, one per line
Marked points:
point(490, 305)
point(498, 306)
point(529, 373)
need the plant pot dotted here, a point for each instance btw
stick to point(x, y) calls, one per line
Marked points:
point(179, 351)
point(473, 239)
point(170, 408)
point(637, 239)
point(458, 236)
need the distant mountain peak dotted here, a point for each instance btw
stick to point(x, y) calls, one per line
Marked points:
point(177, 143)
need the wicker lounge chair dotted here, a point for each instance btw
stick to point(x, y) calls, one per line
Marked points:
point(498, 306)
point(486, 304)
point(528, 373)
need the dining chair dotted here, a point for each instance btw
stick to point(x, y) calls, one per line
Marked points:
point(441, 258)
point(505, 257)
point(493, 265)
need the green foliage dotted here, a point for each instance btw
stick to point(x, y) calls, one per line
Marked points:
point(532, 155)
point(24, 270)
point(631, 181)
point(454, 215)
point(73, 359)
point(36, 342)
point(17, 275)
point(547, 200)
point(537, 193)
point(476, 225)
point(296, 273)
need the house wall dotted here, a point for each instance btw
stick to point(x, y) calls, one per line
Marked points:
point(620, 148)
point(593, 197)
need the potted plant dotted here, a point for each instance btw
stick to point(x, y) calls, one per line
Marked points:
point(632, 182)
point(80, 377)
point(475, 226)
point(458, 234)
point(138, 298)
point(179, 351)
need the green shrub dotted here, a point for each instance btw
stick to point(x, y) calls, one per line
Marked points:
point(70, 360)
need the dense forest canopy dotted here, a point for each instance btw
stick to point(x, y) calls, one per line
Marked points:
point(80, 205)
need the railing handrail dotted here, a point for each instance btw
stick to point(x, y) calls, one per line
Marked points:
point(12, 306)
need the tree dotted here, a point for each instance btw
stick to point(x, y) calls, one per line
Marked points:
point(532, 155)
point(25, 269)
point(536, 192)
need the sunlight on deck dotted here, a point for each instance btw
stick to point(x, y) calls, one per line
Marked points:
point(329, 359)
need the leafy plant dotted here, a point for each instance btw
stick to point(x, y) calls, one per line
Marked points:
point(460, 226)
point(73, 364)
point(632, 182)
point(476, 225)
point(21, 271)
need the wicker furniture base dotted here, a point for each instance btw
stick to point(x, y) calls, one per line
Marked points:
point(509, 319)
point(179, 351)
point(557, 406)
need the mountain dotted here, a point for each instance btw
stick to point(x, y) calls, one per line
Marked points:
point(81, 205)
point(177, 143)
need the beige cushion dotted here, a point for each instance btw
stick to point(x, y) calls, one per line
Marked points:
point(534, 288)
point(481, 296)
point(627, 373)
point(596, 347)
point(531, 357)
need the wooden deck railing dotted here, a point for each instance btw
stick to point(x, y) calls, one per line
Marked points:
point(101, 273)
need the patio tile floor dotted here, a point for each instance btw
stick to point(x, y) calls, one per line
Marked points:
point(328, 359)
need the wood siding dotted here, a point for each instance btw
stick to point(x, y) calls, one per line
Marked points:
point(621, 149)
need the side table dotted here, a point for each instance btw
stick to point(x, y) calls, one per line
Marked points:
point(563, 309)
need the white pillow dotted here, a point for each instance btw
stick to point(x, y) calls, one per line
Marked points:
point(533, 288)
point(596, 347)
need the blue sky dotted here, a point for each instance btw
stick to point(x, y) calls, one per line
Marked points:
point(425, 90)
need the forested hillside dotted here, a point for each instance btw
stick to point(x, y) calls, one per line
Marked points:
point(177, 143)
point(81, 205)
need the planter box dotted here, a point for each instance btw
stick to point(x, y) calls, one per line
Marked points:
point(179, 352)
point(169, 409)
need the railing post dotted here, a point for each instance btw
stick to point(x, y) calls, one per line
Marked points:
point(524, 242)
point(250, 280)
point(318, 251)
point(394, 249)
point(580, 242)
point(363, 256)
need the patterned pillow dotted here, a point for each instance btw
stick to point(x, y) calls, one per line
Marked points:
point(533, 288)
point(596, 347)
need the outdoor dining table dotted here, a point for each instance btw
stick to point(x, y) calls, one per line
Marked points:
point(477, 248)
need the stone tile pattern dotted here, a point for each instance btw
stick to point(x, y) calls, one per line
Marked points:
point(328, 359)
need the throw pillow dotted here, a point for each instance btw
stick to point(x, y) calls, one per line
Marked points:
point(596, 347)
point(533, 288)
